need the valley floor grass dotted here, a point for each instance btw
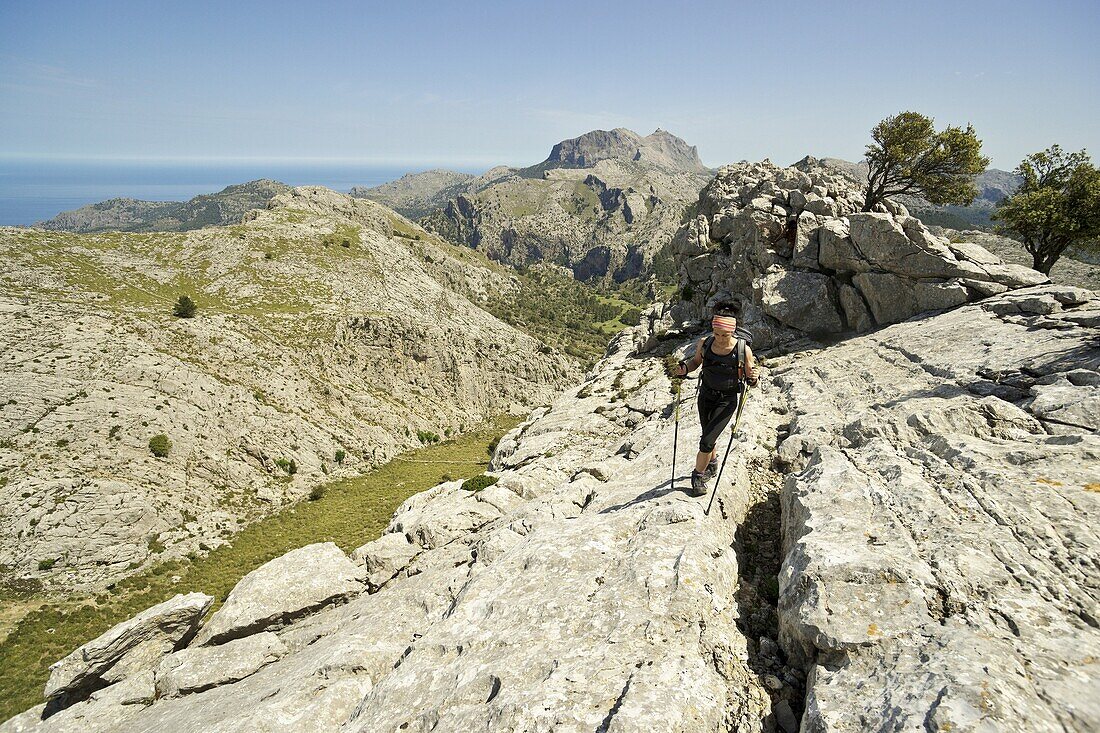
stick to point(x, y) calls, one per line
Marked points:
point(349, 512)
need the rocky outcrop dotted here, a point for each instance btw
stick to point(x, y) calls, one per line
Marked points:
point(993, 187)
point(936, 540)
point(128, 648)
point(129, 215)
point(603, 205)
point(936, 529)
point(794, 245)
point(330, 331)
point(282, 590)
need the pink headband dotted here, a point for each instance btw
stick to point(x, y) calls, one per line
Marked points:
point(720, 323)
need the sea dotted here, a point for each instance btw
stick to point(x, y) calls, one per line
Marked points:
point(34, 191)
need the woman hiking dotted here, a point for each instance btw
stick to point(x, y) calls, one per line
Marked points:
point(719, 387)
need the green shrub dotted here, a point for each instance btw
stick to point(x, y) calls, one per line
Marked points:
point(491, 448)
point(687, 293)
point(269, 255)
point(427, 437)
point(184, 307)
point(113, 432)
point(446, 477)
point(339, 456)
point(631, 317)
point(477, 483)
point(316, 493)
point(159, 445)
point(47, 564)
point(62, 442)
point(289, 466)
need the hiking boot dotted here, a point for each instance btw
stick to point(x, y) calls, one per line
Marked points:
point(698, 484)
point(711, 470)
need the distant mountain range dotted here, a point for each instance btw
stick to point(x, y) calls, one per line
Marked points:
point(602, 205)
point(131, 215)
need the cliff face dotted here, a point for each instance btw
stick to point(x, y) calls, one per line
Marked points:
point(325, 324)
point(129, 215)
point(602, 205)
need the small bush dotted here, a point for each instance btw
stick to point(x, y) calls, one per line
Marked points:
point(46, 564)
point(159, 445)
point(491, 448)
point(316, 493)
point(114, 431)
point(269, 255)
point(426, 436)
point(289, 466)
point(446, 477)
point(62, 442)
point(631, 317)
point(339, 456)
point(477, 483)
point(185, 307)
point(687, 293)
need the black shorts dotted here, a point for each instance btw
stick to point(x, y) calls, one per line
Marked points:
point(715, 411)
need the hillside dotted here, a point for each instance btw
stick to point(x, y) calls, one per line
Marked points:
point(331, 334)
point(415, 194)
point(129, 215)
point(602, 205)
point(901, 538)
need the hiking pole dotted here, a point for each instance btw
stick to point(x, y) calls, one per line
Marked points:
point(677, 384)
point(729, 447)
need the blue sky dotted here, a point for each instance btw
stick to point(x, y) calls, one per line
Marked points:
point(475, 84)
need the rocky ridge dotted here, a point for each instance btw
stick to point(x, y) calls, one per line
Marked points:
point(602, 205)
point(330, 332)
point(938, 553)
point(794, 246)
point(130, 215)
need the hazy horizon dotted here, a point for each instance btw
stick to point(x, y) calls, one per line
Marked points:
point(499, 83)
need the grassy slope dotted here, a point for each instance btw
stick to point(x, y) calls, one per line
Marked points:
point(350, 513)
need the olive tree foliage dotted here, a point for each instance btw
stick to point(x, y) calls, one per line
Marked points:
point(909, 157)
point(1058, 205)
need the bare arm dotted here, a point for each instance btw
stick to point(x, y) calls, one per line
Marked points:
point(690, 365)
point(750, 366)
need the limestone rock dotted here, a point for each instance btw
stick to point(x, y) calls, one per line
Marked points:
point(131, 646)
point(856, 314)
point(893, 298)
point(384, 557)
point(766, 221)
point(198, 669)
point(931, 573)
point(802, 300)
point(281, 590)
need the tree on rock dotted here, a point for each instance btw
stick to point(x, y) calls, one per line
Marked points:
point(909, 157)
point(1057, 205)
point(184, 307)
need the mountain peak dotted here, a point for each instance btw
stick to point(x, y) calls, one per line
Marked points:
point(660, 148)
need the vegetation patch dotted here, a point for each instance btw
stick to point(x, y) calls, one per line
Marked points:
point(160, 446)
point(477, 483)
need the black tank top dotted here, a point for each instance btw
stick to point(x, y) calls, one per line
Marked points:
point(720, 372)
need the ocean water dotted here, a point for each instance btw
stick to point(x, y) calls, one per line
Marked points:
point(35, 191)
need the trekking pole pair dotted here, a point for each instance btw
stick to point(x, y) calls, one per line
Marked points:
point(729, 447)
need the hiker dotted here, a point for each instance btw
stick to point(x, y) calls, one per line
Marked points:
point(719, 388)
